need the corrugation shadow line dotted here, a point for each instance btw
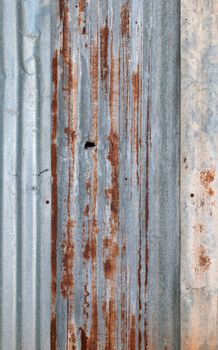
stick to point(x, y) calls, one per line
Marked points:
point(19, 138)
point(2, 96)
point(38, 213)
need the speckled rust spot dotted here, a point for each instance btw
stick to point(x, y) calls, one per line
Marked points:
point(204, 260)
point(54, 195)
point(86, 210)
point(67, 262)
point(198, 228)
point(104, 35)
point(71, 337)
point(125, 20)
point(206, 177)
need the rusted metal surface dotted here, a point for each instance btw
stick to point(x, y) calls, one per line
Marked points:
point(115, 245)
point(24, 174)
point(199, 175)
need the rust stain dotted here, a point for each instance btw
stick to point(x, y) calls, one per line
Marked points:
point(204, 260)
point(132, 335)
point(110, 262)
point(135, 88)
point(206, 177)
point(81, 16)
point(125, 20)
point(61, 8)
point(104, 36)
point(54, 213)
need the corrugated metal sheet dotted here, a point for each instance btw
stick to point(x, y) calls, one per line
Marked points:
point(91, 168)
point(115, 169)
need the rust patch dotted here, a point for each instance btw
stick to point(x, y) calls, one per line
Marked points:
point(125, 14)
point(83, 339)
point(87, 251)
point(206, 177)
point(204, 260)
point(113, 157)
point(82, 5)
point(54, 207)
point(104, 35)
point(111, 319)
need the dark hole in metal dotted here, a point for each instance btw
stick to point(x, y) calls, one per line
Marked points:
point(89, 144)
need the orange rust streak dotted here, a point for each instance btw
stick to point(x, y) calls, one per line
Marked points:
point(111, 245)
point(69, 90)
point(82, 5)
point(54, 213)
point(104, 35)
point(132, 335)
point(94, 322)
point(94, 90)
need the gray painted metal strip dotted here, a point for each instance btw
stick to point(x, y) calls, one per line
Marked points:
point(25, 152)
point(199, 175)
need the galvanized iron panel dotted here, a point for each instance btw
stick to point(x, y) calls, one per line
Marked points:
point(115, 175)
point(199, 159)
